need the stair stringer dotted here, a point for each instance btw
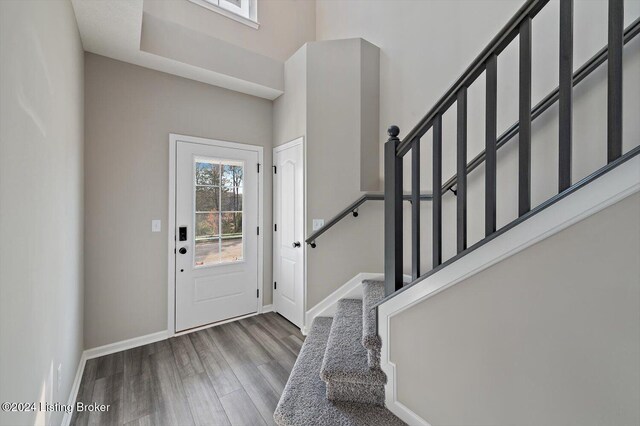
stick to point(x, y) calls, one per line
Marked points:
point(352, 289)
point(603, 192)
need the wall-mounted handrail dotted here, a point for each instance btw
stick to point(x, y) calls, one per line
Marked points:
point(520, 26)
point(352, 209)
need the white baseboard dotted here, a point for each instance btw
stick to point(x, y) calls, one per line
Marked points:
point(267, 308)
point(327, 307)
point(75, 387)
point(605, 191)
point(125, 344)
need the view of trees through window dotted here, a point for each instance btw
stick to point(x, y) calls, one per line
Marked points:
point(218, 212)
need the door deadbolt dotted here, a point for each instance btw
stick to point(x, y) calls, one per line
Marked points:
point(182, 250)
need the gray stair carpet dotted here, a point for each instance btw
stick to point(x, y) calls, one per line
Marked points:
point(304, 402)
point(373, 293)
point(345, 367)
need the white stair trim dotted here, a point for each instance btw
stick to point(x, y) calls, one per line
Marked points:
point(352, 289)
point(605, 191)
point(75, 387)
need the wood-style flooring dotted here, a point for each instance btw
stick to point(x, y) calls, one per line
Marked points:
point(231, 374)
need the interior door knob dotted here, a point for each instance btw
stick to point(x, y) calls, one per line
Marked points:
point(182, 250)
point(296, 244)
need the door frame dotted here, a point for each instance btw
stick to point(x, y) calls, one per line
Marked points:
point(171, 224)
point(297, 141)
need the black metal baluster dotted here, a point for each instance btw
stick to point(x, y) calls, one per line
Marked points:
point(415, 209)
point(524, 150)
point(392, 214)
point(491, 135)
point(565, 88)
point(614, 94)
point(436, 191)
point(461, 156)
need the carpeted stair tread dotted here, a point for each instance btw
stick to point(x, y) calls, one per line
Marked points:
point(345, 359)
point(304, 402)
point(373, 292)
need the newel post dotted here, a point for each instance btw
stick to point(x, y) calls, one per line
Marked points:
point(392, 214)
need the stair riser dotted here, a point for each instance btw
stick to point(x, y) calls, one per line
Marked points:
point(355, 392)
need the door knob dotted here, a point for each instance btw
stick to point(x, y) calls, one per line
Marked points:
point(296, 244)
point(182, 250)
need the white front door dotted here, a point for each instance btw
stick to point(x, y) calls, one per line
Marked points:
point(289, 246)
point(216, 233)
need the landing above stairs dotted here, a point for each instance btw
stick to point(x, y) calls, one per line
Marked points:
point(304, 401)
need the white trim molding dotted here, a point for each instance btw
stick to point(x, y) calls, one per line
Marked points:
point(75, 387)
point(352, 289)
point(267, 308)
point(251, 21)
point(605, 191)
point(171, 226)
point(125, 344)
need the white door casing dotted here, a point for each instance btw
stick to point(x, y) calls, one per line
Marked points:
point(219, 279)
point(288, 241)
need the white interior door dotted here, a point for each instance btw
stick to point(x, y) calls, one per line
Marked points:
point(289, 246)
point(216, 233)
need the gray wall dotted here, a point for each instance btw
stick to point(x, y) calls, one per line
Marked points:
point(335, 120)
point(130, 112)
point(41, 144)
point(290, 109)
point(331, 98)
point(549, 336)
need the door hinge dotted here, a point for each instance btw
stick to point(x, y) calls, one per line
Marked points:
point(275, 285)
point(258, 167)
point(258, 293)
point(275, 170)
point(258, 230)
point(275, 227)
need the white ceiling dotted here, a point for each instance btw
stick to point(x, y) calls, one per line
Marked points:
point(113, 29)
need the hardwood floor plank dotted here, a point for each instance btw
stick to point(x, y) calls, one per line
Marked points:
point(294, 343)
point(274, 346)
point(155, 347)
point(259, 390)
point(169, 402)
point(272, 323)
point(186, 357)
point(203, 401)
point(252, 348)
point(85, 392)
point(109, 365)
point(136, 361)
point(278, 322)
point(142, 421)
point(108, 390)
point(275, 374)
point(137, 385)
point(220, 373)
point(240, 409)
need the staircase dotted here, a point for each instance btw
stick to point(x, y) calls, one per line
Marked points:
point(337, 378)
